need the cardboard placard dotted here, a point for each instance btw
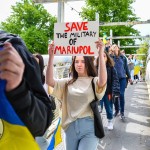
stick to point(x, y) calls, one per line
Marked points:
point(76, 38)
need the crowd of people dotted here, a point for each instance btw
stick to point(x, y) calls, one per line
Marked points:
point(128, 71)
point(111, 71)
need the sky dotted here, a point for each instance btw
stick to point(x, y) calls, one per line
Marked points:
point(141, 9)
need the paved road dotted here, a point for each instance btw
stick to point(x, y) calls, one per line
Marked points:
point(134, 133)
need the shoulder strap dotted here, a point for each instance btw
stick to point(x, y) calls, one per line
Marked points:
point(93, 87)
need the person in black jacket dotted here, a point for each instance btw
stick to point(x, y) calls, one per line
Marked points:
point(112, 90)
point(24, 87)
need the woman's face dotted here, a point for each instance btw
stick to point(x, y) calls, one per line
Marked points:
point(80, 66)
point(130, 56)
point(115, 49)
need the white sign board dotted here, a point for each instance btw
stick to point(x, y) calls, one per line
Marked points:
point(76, 38)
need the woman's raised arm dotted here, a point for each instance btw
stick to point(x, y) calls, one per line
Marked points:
point(49, 72)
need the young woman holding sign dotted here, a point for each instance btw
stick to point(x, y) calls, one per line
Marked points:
point(76, 94)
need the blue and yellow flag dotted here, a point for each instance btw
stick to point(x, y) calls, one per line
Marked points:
point(56, 138)
point(14, 135)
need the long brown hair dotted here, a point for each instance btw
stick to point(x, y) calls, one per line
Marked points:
point(89, 66)
point(110, 61)
point(41, 65)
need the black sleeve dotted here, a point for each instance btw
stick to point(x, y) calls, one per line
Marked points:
point(115, 82)
point(31, 109)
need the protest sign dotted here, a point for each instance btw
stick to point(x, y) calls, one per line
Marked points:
point(76, 38)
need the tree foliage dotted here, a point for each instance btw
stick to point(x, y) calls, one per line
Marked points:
point(33, 23)
point(143, 50)
point(113, 11)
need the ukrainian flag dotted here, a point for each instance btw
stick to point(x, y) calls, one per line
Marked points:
point(14, 135)
point(56, 138)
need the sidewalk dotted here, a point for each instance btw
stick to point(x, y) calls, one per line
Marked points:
point(134, 133)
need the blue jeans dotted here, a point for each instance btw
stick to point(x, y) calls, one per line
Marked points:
point(119, 105)
point(80, 135)
point(108, 106)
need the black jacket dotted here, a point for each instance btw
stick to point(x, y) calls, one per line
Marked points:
point(29, 100)
point(113, 86)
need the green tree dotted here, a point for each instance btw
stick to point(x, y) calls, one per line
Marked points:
point(113, 11)
point(143, 50)
point(33, 23)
